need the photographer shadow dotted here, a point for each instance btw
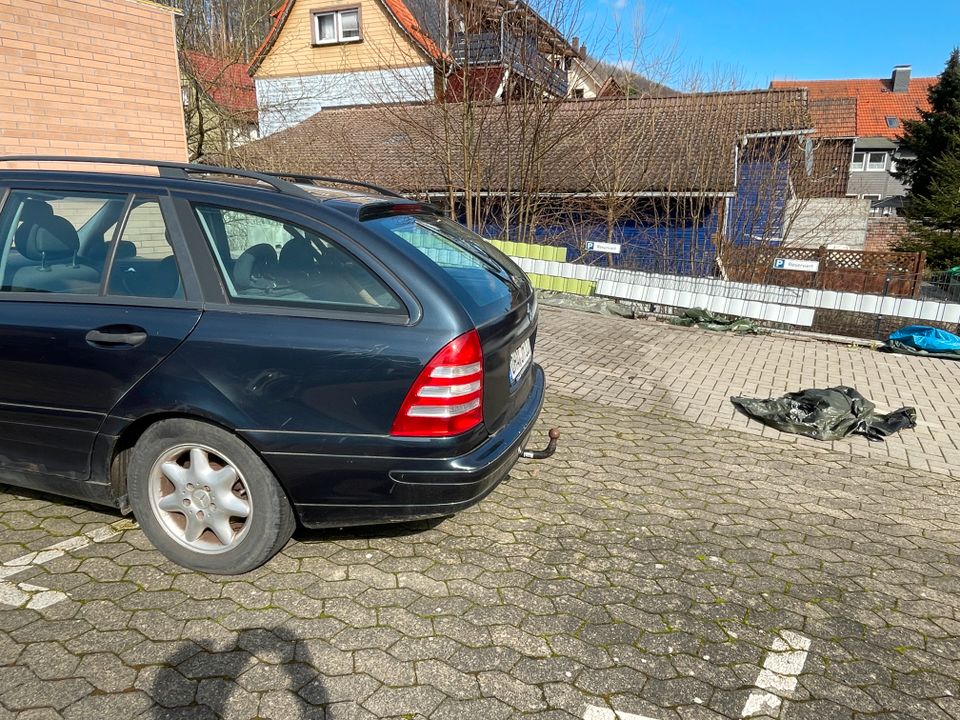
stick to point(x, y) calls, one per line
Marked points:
point(264, 673)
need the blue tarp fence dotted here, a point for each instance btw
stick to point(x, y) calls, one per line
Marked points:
point(682, 245)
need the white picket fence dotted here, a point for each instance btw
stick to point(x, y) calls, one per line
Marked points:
point(773, 303)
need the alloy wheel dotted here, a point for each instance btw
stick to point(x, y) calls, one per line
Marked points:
point(200, 498)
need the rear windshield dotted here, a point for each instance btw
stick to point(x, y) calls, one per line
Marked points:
point(485, 280)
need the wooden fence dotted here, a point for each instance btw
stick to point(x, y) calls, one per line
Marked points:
point(896, 274)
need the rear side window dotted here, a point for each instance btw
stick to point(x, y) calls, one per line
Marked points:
point(144, 264)
point(485, 280)
point(265, 259)
point(53, 242)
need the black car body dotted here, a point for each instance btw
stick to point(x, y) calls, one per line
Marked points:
point(301, 320)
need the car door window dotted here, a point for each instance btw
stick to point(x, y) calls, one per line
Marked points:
point(144, 263)
point(41, 249)
point(265, 259)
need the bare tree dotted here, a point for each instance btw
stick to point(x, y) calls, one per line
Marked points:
point(690, 175)
point(223, 28)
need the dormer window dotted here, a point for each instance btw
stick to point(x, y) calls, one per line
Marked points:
point(336, 26)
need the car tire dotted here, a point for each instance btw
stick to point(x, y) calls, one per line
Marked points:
point(205, 499)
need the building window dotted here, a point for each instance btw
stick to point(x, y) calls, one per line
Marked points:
point(856, 164)
point(877, 161)
point(892, 122)
point(336, 26)
point(871, 198)
point(578, 94)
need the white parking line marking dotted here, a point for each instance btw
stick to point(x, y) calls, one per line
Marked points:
point(36, 597)
point(778, 679)
point(598, 713)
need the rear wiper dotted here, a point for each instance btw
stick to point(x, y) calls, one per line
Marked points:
point(477, 252)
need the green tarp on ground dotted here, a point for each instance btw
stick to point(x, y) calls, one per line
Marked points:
point(826, 414)
point(706, 320)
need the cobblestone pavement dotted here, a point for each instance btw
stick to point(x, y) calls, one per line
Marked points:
point(660, 564)
point(647, 364)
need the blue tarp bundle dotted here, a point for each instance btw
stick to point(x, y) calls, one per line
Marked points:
point(923, 340)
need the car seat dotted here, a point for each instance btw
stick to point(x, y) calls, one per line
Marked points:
point(53, 243)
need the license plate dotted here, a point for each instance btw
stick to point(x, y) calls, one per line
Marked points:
point(520, 360)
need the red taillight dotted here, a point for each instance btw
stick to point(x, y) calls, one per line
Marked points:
point(447, 397)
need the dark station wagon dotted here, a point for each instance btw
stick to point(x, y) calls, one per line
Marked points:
point(225, 352)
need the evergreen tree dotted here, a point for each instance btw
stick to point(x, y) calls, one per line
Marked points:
point(936, 133)
point(933, 202)
point(934, 218)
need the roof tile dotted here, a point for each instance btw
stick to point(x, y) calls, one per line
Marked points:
point(677, 143)
point(225, 81)
point(875, 100)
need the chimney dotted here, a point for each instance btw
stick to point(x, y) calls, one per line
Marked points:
point(900, 80)
point(575, 43)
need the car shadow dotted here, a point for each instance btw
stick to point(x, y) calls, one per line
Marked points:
point(368, 532)
point(301, 534)
point(262, 673)
point(54, 499)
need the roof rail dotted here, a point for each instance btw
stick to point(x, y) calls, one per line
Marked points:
point(170, 169)
point(341, 181)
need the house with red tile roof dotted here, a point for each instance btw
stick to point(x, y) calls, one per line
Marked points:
point(226, 82)
point(343, 53)
point(219, 102)
point(882, 105)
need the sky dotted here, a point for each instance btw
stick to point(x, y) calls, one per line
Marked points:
point(755, 41)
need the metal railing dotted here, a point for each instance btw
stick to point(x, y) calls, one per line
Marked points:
point(519, 53)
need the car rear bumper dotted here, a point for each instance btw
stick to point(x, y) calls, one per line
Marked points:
point(370, 490)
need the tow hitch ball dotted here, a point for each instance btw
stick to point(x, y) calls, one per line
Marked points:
point(549, 450)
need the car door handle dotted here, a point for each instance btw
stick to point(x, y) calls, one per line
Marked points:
point(127, 338)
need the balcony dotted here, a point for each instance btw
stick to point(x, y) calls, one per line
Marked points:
point(519, 54)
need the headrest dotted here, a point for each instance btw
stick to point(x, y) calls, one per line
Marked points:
point(299, 254)
point(252, 264)
point(47, 238)
point(33, 211)
point(126, 250)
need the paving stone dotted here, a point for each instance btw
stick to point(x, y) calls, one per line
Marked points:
point(282, 705)
point(348, 711)
point(35, 714)
point(385, 668)
point(49, 660)
point(517, 694)
point(261, 677)
point(99, 707)
point(485, 708)
point(106, 672)
point(167, 686)
point(389, 701)
point(226, 699)
point(448, 680)
point(648, 566)
point(57, 694)
point(346, 688)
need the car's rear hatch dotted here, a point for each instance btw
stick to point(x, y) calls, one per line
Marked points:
point(495, 293)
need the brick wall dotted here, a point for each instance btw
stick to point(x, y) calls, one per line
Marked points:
point(90, 77)
point(884, 232)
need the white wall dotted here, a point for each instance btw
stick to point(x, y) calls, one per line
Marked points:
point(838, 223)
point(789, 305)
point(284, 102)
point(579, 79)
